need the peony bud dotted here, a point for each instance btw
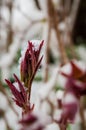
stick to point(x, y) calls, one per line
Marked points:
point(30, 62)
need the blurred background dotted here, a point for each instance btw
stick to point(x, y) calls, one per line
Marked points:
point(60, 23)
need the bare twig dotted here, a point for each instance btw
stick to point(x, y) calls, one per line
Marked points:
point(73, 14)
point(37, 4)
point(54, 21)
point(10, 32)
point(67, 7)
point(83, 122)
point(47, 52)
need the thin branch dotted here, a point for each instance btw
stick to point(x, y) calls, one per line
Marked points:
point(54, 20)
point(47, 53)
point(37, 4)
point(73, 14)
point(10, 32)
point(67, 7)
point(83, 122)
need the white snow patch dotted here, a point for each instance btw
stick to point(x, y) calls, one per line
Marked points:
point(2, 125)
point(52, 126)
point(69, 98)
point(57, 114)
point(16, 86)
point(59, 94)
point(67, 69)
point(3, 102)
point(12, 119)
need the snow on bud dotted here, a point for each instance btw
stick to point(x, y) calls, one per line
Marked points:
point(30, 62)
point(35, 121)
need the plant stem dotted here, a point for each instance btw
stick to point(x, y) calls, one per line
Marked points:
point(63, 127)
point(82, 115)
point(47, 53)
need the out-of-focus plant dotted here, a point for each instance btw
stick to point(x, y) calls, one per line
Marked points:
point(56, 16)
point(74, 88)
